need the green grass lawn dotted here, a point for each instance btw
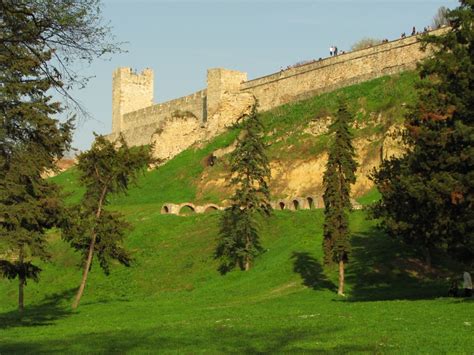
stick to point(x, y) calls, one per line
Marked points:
point(172, 299)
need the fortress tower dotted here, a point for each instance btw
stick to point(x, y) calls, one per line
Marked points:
point(131, 91)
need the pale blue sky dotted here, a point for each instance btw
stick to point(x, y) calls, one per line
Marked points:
point(180, 40)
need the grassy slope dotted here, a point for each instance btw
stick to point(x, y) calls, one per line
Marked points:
point(172, 298)
point(176, 181)
point(386, 98)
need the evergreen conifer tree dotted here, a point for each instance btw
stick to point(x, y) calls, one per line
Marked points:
point(337, 180)
point(30, 142)
point(427, 195)
point(238, 242)
point(107, 168)
point(39, 40)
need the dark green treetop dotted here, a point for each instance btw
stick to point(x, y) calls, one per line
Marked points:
point(337, 180)
point(427, 195)
point(250, 168)
point(238, 242)
point(39, 41)
point(30, 143)
point(108, 168)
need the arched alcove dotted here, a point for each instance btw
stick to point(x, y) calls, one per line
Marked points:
point(211, 208)
point(281, 204)
point(310, 202)
point(296, 205)
point(187, 209)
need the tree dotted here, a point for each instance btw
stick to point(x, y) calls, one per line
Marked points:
point(427, 195)
point(57, 34)
point(39, 41)
point(337, 180)
point(365, 43)
point(238, 242)
point(441, 17)
point(107, 168)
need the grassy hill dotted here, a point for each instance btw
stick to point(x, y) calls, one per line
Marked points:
point(173, 299)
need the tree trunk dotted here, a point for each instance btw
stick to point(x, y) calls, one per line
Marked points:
point(247, 258)
point(87, 267)
point(21, 282)
point(247, 263)
point(21, 298)
point(427, 253)
point(90, 254)
point(340, 291)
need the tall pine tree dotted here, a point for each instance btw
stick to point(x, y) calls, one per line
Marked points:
point(107, 168)
point(238, 242)
point(337, 180)
point(427, 195)
point(39, 39)
point(30, 142)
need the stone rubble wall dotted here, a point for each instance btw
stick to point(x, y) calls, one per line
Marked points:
point(193, 103)
point(289, 204)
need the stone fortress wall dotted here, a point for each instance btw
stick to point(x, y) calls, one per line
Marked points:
point(175, 125)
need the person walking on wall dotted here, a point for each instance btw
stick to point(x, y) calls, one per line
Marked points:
point(467, 284)
point(331, 51)
point(335, 50)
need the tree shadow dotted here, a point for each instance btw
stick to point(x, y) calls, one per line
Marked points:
point(52, 308)
point(311, 271)
point(382, 268)
point(220, 339)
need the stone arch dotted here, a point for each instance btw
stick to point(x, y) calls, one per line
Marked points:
point(296, 204)
point(310, 201)
point(210, 208)
point(281, 205)
point(170, 208)
point(186, 206)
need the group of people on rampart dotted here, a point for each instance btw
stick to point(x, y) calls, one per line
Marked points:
point(335, 51)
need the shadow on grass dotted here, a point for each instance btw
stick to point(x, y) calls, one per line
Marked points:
point(52, 308)
point(385, 269)
point(311, 271)
point(218, 339)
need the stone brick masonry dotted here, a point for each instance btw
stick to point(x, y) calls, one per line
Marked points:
point(177, 124)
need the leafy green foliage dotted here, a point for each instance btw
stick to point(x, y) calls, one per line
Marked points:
point(238, 242)
point(427, 195)
point(22, 270)
point(56, 35)
point(107, 168)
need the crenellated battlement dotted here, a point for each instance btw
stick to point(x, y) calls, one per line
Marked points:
point(131, 91)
